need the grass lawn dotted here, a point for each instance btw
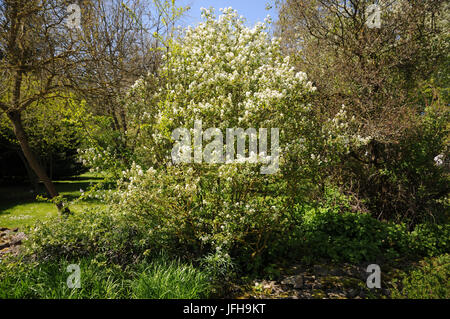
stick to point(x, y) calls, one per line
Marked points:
point(19, 207)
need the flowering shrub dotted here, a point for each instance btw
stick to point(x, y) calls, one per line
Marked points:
point(184, 211)
point(226, 75)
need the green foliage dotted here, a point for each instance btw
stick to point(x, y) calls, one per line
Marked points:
point(428, 281)
point(218, 266)
point(54, 131)
point(101, 280)
point(48, 279)
point(414, 184)
point(71, 236)
point(90, 233)
point(54, 126)
point(385, 113)
point(230, 212)
point(144, 221)
point(429, 240)
point(227, 75)
point(150, 212)
point(169, 280)
point(344, 236)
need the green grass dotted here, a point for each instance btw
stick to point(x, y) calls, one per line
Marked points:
point(48, 280)
point(19, 207)
point(170, 280)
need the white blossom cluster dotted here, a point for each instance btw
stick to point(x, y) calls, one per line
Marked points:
point(342, 132)
point(227, 74)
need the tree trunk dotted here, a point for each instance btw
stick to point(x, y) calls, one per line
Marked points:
point(19, 131)
point(31, 175)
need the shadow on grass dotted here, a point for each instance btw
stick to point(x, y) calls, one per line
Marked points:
point(80, 178)
point(3, 211)
point(70, 188)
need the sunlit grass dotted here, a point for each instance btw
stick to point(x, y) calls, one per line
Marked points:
point(19, 207)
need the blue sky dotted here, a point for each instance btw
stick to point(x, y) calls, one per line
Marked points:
point(252, 10)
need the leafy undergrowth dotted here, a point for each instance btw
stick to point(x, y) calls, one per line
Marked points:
point(428, 280)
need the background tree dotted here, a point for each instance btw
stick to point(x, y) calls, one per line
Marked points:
point(379, 74)
point(39, 51)
point(124, 41)
point(54, 130)
point(43, 58)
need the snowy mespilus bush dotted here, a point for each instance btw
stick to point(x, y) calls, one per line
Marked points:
point(226, 75)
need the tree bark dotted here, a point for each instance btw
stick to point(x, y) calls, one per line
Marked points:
point(31, 174)
point(16, 120)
